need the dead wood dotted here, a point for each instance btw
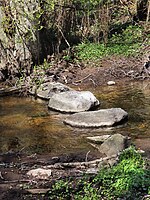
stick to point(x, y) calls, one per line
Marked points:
point(11, 91)
point(81, 164)
point(38, 191)
point(78, 81)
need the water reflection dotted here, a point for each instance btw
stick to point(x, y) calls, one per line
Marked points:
point(27, 125)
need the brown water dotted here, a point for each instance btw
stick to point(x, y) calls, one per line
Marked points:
point(26, 125)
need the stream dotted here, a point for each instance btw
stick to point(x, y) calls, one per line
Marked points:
point(26, 124)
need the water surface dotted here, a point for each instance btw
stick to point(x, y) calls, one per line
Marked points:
point(27, 125)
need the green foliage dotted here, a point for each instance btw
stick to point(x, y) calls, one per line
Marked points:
point(94, 51)
point(39, 73)
point(91, 51)
point(60, 190)
point(37, 77)
point(127, 44)
point(128, 180)
point(77, 190)
point(87, 193)
point(130, 35)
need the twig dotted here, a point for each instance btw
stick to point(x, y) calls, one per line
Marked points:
point(1, 176)
point(93, 81)
point(18, 181)
point(38, 190)
point(78, 81)
point(86, 157)
point(63, 36)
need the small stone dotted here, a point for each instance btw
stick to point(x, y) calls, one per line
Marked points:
point(92, 171)
point(40, 173)
point(114, 145)
point(141, 151)
point(111, 83)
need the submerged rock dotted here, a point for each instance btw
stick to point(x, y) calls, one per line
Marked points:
point(47, 90)
point(97, 119)
point(73, 101)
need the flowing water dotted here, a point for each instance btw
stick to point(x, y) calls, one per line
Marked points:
point(27, 125)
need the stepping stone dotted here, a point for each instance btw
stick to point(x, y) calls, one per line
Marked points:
point(97, 119)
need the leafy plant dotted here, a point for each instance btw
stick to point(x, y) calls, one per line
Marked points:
point(128, 44)
point(128, 180)
point(130, 35)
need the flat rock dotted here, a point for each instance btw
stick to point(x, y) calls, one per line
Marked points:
point(98, 139)
point(47, 90)
point(73, 101)
point(96, 119)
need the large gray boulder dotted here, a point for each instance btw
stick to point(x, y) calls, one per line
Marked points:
point(47, 90)
point(97, 119)
point(73, 101)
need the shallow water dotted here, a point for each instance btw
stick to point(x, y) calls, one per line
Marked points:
point(26, 125)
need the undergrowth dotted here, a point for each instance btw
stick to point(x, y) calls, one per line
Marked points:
point(128, 43)
point(128, 180)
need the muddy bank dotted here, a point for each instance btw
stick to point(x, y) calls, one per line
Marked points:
point(86, 74)
point(14, 182)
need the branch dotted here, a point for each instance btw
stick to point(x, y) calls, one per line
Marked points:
point(63, 36)
point(148, 12)
point(80, 164)
point(78, 81)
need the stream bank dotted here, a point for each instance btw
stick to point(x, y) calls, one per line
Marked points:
point(28, 140)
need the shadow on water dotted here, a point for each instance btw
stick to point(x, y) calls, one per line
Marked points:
point(27, 125)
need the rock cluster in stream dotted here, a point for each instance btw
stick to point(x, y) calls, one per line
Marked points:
point(64, 99)
point(81, 106)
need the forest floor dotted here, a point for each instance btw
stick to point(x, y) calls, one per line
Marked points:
point(92, 74)
point(14, 183)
